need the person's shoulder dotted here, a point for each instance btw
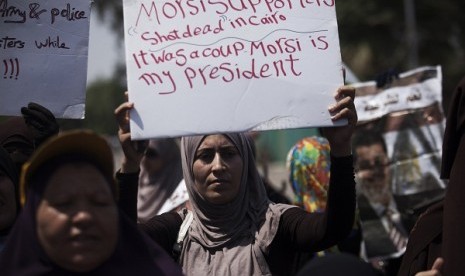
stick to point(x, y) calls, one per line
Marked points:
point(292, 212)
point(173, 216)
point(171, 220)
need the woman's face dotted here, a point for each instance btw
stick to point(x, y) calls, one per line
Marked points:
point(77, 219)
point(152, 161)
point(7, 202)
point(217, 169)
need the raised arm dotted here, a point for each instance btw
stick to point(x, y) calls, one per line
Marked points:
point(318, 231)
point(340, 209)
point(127, 176)
point(133, 150)
point(340, 137)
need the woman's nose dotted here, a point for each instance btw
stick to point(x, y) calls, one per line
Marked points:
point(82, 216)
point(218, 163)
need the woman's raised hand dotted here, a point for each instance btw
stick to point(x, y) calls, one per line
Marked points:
point(340, 137)
point(133, 150)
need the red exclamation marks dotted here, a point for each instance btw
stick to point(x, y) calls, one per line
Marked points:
point(11, 68)
point(6, 69)
point(17, 68)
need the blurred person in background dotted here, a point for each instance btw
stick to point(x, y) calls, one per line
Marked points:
point(70, 223)
point(160, 187)
point(9, 195)
point(425, 243)
point(308, 163)
point(453, 164)
point(19, 138)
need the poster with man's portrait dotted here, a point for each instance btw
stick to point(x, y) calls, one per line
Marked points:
point(397, 154)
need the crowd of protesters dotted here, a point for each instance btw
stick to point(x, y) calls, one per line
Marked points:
point(199, 206)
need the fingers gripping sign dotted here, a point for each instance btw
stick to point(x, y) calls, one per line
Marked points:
point(344, 108)
point(133, 150)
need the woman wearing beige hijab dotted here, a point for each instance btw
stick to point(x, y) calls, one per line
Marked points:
point(234, 228)
point(159, 179)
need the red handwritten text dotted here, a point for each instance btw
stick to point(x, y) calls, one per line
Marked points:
point(160, 80)
point(228, 72)
point(181, 9)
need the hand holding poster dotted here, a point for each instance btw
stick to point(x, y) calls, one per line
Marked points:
point(397, 151)
point(43, 55)
point(197, 67)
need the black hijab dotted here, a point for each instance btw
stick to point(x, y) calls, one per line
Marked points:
point(17, 140)
point(135, 253)
point(453, 163)
point(8, 168)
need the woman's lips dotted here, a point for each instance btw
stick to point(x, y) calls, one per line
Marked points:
point(218, 181)
point(83, 240)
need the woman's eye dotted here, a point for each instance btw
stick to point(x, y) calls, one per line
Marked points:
point(205, 156)
point(62, 203)
point(102, 200)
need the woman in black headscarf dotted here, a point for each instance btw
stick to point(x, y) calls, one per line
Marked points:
point(9, 195)
point(19, 137)
point(453, 164)
point(70, 223)
point(437, 243)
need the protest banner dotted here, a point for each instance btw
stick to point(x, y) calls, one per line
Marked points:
point(408, 114)
point(198, 67)
point(43, 55)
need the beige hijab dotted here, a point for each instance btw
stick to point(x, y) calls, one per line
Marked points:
point(156, 189)
point(230, 239)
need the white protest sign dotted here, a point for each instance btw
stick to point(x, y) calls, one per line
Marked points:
point(43, 55)
point(198, 67)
